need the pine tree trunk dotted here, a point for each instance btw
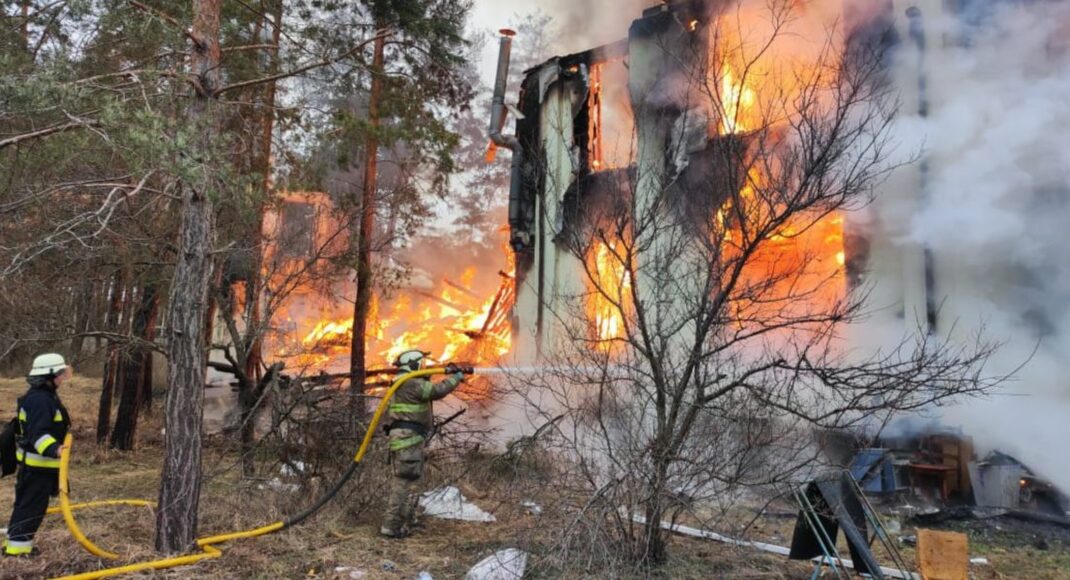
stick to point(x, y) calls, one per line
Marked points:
point(111, 376)
point(180, 482)
point(358, 363)
point(125, 432)
point(112, 364)
point(146, 381)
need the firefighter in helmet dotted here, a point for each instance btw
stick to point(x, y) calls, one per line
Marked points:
point(408, 426)
point(41, 427)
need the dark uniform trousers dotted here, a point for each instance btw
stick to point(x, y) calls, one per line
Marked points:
point(33, 487)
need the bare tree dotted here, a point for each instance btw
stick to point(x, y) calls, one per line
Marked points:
point(705, 343)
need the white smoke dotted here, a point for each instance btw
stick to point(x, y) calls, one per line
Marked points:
point(997, 214)
point(584, 24)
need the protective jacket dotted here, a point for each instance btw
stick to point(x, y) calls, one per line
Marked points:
point(410, 417)
point(42, 425)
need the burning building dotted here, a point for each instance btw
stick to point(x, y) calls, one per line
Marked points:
point(662, 117)
point(667, 116)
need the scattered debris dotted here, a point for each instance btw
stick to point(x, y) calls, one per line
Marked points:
point(350, 572)
point(277, 484)
point(389, 566)
point(1000, 480)
point(940, 467)
point(506, 564)
point(533, 508)
point(424, 575)
point(892, 526)
point(293, 468)
point(979, 561)
point(908, 540)
point(448, 503)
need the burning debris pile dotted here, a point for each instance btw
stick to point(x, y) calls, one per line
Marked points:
point(454, 316)
point(451, 321)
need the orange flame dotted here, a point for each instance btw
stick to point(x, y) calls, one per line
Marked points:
point(609, 293)
point(736, 100)
point(452, 322)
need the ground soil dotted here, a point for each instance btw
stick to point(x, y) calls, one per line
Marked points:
point(341, 542)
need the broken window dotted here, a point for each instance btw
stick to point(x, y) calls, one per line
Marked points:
point(612, 124)
point(297, 235)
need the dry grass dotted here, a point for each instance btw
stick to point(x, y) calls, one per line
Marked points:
point(344, 534)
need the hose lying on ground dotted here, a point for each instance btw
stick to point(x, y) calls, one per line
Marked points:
point(207, 545)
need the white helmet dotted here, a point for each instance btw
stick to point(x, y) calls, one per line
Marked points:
point(410, 359)
point(49, 364)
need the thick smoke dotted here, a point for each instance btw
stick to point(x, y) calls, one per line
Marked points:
point(996, 213)
point(585, 24)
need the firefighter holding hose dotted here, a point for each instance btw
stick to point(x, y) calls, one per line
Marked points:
point(408, 426)
point(41, 425)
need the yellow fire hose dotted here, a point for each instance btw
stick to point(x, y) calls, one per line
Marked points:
point(206, 544)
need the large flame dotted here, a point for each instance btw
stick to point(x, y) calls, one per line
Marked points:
point(610, 291)
point(801, 264)
point(451, 321)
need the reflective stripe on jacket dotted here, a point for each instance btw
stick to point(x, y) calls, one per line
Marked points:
point(43, 423)
point(412, 402)
point(36, 460)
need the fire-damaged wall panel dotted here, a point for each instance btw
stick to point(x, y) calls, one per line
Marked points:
point(555, 161)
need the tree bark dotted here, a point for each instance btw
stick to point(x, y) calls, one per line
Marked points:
point(357, 363)
point(111, 376)
point(143, 327)
point(652, 548)
point(180, 482)
point(145, 397)
point(25, 28)
point(112, 319)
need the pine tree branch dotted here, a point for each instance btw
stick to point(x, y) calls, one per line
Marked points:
point(383, 33)
point(51, 130)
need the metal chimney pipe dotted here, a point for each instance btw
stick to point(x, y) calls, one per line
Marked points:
point(497, 108)
point(518, 237)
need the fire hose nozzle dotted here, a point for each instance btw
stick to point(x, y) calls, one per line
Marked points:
point(452, 369)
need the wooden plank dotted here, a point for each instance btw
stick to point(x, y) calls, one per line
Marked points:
point(943, 555)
